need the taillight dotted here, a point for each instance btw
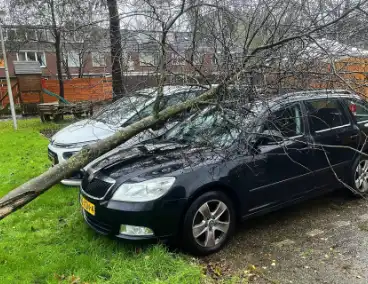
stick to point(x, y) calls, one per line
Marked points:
point(353, 108)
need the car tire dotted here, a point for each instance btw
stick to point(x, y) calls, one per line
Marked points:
point(359, 177)
point(208, 223)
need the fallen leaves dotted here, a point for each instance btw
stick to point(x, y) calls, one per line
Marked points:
point(72, 279)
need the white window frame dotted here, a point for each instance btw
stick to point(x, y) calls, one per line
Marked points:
point(144, 63)
point(75, 64)
point(35, 53)
point(98, 64)
point(128, 61)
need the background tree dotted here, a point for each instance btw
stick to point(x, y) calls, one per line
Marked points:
point(115, 48)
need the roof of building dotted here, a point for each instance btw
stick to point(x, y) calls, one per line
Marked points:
point(27, 67)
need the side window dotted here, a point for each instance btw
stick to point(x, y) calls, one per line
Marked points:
point(325, 114)
point(358, 109)
point(286, 122)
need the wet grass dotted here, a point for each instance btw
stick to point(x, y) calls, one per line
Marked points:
point(47, 241)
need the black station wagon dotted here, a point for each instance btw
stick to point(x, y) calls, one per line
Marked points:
point(197, 180)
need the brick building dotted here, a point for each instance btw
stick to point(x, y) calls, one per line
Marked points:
point(88, 55)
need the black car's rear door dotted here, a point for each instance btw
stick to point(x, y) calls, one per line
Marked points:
point(334, 134)
point(358, 109)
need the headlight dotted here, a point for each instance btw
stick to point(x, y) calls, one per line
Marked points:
point(143, 191)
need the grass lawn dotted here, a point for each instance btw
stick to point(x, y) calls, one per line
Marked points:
point(47, 241)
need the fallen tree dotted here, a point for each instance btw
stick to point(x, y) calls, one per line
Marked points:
point(22, 195)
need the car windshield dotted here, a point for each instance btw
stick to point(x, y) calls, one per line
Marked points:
point(210, 127)
point(215, 127)
point(121, 110)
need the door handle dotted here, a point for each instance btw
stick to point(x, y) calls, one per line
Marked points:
point(354, 136)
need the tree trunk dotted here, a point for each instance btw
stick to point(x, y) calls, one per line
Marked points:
point(116, 50)
point(25, 193)
point(58, 63)
point(57, 49)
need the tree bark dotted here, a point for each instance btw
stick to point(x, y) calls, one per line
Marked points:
point(57, 50)
point(58, 64)
point(116, 50)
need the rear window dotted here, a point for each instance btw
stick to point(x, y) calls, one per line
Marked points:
point(325, 114)
point(359, 109)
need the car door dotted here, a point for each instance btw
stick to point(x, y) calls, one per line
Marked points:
point(280, 170)
point(334, 134)
point(358, 109)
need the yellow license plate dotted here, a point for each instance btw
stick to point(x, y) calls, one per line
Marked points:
point(88, 206)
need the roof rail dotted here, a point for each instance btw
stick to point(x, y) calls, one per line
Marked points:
point(321, 91)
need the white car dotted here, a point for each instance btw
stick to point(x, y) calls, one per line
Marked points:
point(114, 117)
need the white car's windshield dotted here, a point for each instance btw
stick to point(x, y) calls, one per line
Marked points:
point(123, 109)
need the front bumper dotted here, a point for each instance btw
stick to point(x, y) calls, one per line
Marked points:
point(59, 154)
point(162, 217)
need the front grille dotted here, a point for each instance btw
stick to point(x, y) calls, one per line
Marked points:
point(53, 157)
point(97, 224)
point(95, 188)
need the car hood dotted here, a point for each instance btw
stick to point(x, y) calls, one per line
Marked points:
point(149, 160)
point(83, 131)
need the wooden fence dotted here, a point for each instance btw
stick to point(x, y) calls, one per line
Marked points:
point(81, 89)
point(88, 89)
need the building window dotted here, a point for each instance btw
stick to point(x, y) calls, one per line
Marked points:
point(41, 35)
point(32, 56)
point(128, 62)
point(11, 34)
point(98, 59)
point(146, 59)
point(73, 59)
point(177, 58)
point(31, 35)
point(21, 34)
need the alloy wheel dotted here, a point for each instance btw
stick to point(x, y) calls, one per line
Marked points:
point(361, 176)
point(211, 223)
